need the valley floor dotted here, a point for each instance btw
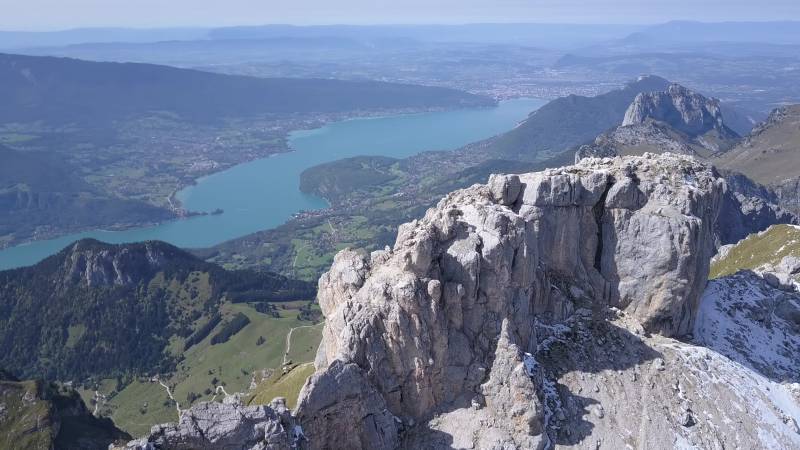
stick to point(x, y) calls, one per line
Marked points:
point(244, 364)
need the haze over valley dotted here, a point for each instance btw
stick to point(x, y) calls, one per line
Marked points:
point(400, 227)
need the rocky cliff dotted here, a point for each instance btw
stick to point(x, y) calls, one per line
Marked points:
point(747, 208)
point(39, 415)
point(564, 308)
point(676, 120)
point(681, 121)
point(226, 425)
point(446, 339)
point(683, 109)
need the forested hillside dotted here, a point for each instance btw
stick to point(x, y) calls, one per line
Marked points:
point(100, 310)
point(62, 90)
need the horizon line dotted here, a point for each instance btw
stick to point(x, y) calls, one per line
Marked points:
point(379, 24)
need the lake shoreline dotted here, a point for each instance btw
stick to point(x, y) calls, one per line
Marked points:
point(229, 228)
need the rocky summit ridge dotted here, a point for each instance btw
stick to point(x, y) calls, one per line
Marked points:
point(449, 331)
point(563, 308)
point(679, 120)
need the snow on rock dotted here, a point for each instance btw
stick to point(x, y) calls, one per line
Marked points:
point(752, 322)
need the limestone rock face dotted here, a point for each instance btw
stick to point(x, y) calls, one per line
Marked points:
point(748, 208)
point(681, 108)
point(680, 121)
point(341, 398)
point(228, 425)
point(97, 264)
point(676, 120)
point(444, 329)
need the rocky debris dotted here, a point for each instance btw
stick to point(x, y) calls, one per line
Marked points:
point(475, 293)
point(228, 425)
point(639, 391)
point(754, 319)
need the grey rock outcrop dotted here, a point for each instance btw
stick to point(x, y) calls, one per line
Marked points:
point(228, 425)
point(681, 108)
point(98, 264)
point(446, 327)
point(342, 398)
point(748, 208)
point(676, 120)
point(681, 121)
point(788, 192)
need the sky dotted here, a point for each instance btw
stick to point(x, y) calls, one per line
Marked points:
point(62, 14)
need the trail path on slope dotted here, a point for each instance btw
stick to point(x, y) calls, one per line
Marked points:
point(297, 253)
point(169, 394)
point(289, 342)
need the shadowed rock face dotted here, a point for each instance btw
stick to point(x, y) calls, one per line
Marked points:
point(450, 321)
point(747, 208)
point(228, 425)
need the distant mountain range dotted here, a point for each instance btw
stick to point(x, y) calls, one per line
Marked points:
point(679, 120)
point(674, 119)
point(539, 34)
point(60, 90)
point(21, 39)
point(568, 121)
point(785, 32)
point(557, 35)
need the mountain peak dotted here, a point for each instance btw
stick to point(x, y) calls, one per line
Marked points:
point(681, 108)
point(647, 83)
point(98, 263)
point(769, 155)
point(776, 118)
point(674, 119)
point(493, 316)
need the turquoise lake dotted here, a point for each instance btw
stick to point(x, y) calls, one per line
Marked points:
point(264, 193)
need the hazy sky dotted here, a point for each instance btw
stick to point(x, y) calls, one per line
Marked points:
point(58, 14)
